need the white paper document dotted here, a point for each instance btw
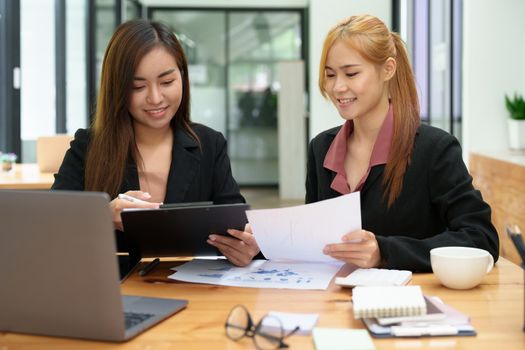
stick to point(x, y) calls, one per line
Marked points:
point(259, 274)
point(300, 233)
point(290, 320)
point(375, 277)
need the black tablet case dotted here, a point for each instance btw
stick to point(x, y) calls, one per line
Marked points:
point(181, 231)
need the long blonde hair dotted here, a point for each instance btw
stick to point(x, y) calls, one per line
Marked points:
point(376, 43)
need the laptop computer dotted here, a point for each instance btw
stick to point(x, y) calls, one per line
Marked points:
point(59, 270)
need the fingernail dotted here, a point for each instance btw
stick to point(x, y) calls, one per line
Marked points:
point(147, 195)
point(212, 237)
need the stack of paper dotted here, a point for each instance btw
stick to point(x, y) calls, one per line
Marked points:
point(445, 321)
point(433, 314)
point(388, 301)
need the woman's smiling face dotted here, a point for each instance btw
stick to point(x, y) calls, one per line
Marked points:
point(354, 85)
point(157, 90)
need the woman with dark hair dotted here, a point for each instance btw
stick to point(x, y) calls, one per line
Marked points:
point(142, 142)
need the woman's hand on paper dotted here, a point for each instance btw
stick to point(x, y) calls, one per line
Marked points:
point(131, 199)
point(358, 247)
point(238, 249)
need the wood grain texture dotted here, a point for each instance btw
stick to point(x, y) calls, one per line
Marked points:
point(495, 307)
point(26, 177)
point(502, 184)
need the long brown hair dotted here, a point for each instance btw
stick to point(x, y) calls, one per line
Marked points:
point(376, 43)
point(112, 137)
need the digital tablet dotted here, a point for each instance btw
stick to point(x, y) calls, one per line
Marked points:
point(181, 230)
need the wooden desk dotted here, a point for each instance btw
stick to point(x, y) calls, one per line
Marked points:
point(495, 306)
point(500, 176)
point(26, 177)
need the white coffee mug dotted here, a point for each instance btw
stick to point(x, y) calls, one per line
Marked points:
point(460, 267)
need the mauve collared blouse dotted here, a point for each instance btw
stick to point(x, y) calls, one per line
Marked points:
point(335, 157)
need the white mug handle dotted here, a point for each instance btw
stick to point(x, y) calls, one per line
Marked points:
point(491, 263)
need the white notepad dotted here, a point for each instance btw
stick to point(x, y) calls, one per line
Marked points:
point(375, 277)
point(342, 339)
point(388, 301)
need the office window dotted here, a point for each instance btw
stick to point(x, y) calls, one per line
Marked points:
point(202, 35)
point(9, 76)
point(258, 41)
point(60, 63)
point(233, 57)
point(37, 64)
point(133, 10)
point(434, 34)
point(104, 17)
point(105, 23)
point(42, 97)
point(76, 58)
point(420, 54)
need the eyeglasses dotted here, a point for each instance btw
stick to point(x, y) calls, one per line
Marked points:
point(267, 334)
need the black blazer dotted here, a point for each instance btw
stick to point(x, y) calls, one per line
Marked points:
point(437, 206)
point(194, 176)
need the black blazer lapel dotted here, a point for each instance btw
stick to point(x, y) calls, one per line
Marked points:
point(375, 175)
point(131, 177)
point(330, 136)
point(185, 163)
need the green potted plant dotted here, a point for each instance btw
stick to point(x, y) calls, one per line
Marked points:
point(7, 160)
point(516, 122)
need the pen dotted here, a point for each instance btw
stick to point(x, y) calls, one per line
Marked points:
point(149, 266)
point(515, 236)
point(434, 330)
point(131, 199)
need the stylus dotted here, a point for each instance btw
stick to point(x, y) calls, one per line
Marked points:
point(131, 199)
point(150, 266)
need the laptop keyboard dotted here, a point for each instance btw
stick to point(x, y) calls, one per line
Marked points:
point(134, 318)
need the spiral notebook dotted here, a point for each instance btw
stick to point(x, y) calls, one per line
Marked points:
point(388, 301)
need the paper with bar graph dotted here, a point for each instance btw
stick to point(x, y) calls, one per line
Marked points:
point(258, 274)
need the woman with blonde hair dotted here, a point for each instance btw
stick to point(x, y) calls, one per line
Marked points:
point(142, 142)
point(416, 193)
